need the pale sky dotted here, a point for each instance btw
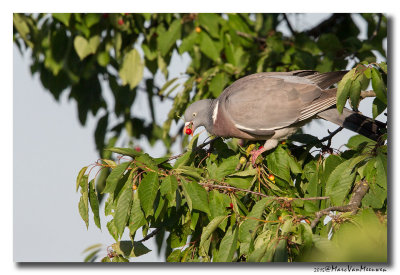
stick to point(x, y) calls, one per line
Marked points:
point(50, 147)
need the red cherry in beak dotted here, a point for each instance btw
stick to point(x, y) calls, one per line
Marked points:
point(188, 131)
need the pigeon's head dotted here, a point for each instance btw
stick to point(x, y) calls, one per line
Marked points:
point(199, 114)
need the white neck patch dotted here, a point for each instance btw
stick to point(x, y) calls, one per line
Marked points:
point(215, 112)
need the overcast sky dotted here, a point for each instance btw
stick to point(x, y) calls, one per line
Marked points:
point(50, 147)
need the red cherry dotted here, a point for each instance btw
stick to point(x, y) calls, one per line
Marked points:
point(231, 205)
point(138, 149)
point(188, 131)
point(260, 147)
point(120, 21)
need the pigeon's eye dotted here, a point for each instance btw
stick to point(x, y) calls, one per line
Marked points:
point(194, 114)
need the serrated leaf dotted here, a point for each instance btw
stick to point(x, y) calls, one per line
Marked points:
point(378, 86)
point(112, 229)
point(122, 211)
point(168, 38)
point(218, 204)
point(147, 190)
point(94, 203)
point(377, 107)
point(80, 175)
point(342, 94)
point(84, 211)
point(168, 188)
point(340, 181)
point(188, 42)
point(381, 170)
point(246, 229)
point(209, 21)
point(125, 151)
point(208, 47)
point(355, 91)
point(115, 175)
point(227, 246)
point(130, 249)
point(136, 219)
point(210, 228)
point(131, 71)
point(196, 196)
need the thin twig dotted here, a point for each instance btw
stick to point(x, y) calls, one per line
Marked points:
point(249, 36)
point(330, 136)
point(288, 24)
point(369, 93)
point(378, 25)
point(195, 149)
point(231, 188)
point(150, 235)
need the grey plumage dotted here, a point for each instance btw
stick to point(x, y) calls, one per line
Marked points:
point(272, 106)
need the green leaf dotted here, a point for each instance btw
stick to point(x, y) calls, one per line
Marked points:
point(84, 47)
point(228, 246)
point(279, 163)
point(218, 204)
point(210, 228)
point(148, 189)
point(281, 253)
point(208, 47)
point(209, 21)
point(168, 188)
point(62, 17)
point(136, 219)
point(175, 256)
point(112, 229)
point(218, 83)
point(340, 181)
point(94, 203)
point(383, 66)
point(355, 91)
point(377, 107)
point(125, 151)
point(379, 86)
point(84, 211)
point(131, 71)
point(122, 210)
point(342, 94)
point(115, 175)
point(167, 39)
point(188, 42)
point(246, 229)
point(196, 196)
point(381, 170)
point(130, 249)
point(79, 178)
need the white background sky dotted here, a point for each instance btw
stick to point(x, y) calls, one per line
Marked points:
point(49, 149)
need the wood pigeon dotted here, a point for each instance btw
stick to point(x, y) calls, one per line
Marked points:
point(271, 106)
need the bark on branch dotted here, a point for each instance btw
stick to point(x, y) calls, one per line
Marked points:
point(355, 201)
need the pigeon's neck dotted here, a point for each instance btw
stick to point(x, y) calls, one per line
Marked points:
point(208, 120)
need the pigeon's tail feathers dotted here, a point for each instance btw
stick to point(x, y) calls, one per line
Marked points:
point(355, 122)
point(325, 80)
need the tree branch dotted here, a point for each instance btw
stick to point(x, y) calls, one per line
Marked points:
point(355, 201)
point(378, 25)
point(327, 24)
point(288, 24)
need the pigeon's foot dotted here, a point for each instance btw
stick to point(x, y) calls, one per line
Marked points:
point(255, 153)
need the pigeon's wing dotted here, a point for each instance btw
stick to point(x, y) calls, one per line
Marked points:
point(261, 103)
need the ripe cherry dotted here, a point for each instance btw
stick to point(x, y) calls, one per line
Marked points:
point(231, 205)
point(120, 21)
point(138, 149)
point(188, 131)
point(271, 177)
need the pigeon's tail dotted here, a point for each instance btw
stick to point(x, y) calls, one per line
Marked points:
point(356, 122)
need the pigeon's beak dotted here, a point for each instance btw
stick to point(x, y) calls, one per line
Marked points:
point(188, 125)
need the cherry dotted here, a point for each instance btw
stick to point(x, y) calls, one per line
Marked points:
point(231, 205)
point(188, 131)
point(198, 29)
point(138, 149)
point(120, 21)
point(271, 177)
